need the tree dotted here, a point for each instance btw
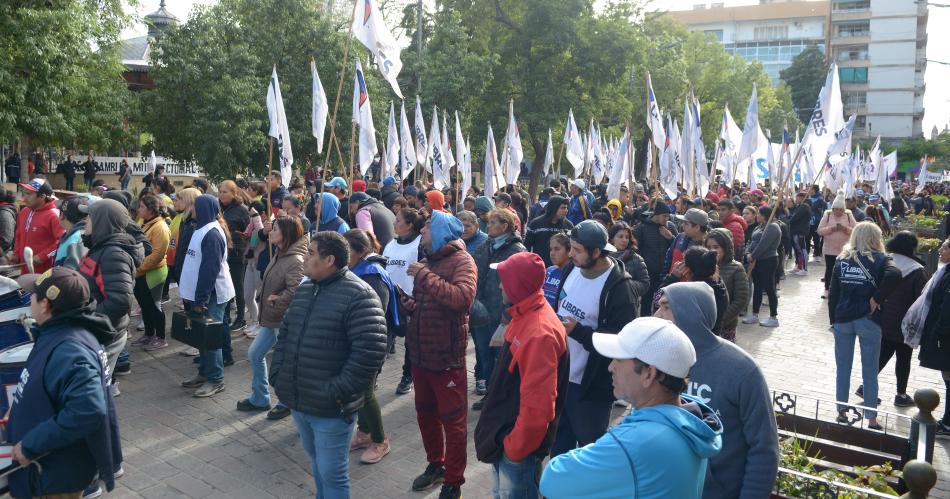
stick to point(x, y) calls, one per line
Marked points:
point(211, 75)
point(804, 78)
point(61, 73)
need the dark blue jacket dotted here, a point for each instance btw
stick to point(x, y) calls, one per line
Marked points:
point(818, 207)
point(63, 409)
point(213, 247)
point(849, 297)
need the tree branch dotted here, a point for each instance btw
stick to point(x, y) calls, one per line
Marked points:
point(503, 18)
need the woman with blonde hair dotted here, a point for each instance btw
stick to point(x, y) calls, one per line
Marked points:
point(863, 277)
point(834, 228)
point(234, 210)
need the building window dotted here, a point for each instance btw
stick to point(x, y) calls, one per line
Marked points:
point(860, 122)
point(856, 6)
point(853, 53)
point(854, 99)
point(714, 32)
point(771, 33)
point(854, 29)
point(853, 75)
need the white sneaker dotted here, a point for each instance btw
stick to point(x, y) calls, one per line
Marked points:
point(751, 319)
point(770, 322)
point(801, 272)
point(189, 352)
point(114, 388)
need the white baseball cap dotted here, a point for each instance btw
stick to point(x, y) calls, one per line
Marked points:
point(654, 341)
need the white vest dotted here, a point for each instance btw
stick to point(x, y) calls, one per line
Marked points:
point(398, 257)
point(223, 287)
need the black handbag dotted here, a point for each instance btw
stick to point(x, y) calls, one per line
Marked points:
point(199, 330)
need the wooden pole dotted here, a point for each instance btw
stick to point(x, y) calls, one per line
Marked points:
point(270, 171)
point(352, 152)
point(559, 156)
point(339, 90)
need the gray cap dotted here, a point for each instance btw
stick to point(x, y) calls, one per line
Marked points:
point(695, 216)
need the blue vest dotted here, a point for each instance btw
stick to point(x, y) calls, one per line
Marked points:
point(362, 268)
point(73, 467)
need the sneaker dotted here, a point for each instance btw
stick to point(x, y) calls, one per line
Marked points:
point(92, 491)
point(123, 369)
point(751, 319)
point(435, 473)
point(209, 389)
point(156, 344)
point(903, 400)
point(477, 406)
point(404, 386)
point(375, 452)
point(238, 326)
point(860, 393)
point(251, 332)
point(480, 387)
point(246, 406)
point(450, 492)
point(800, 272)
point(118, 473)
point(278, 412)
point(189, 352)
point(360, 441)
point(228, 360)
point(194, 382)
point(943, 431)
point(114, 388)
point(144, 340)
point(824, 295)
point(770, 322)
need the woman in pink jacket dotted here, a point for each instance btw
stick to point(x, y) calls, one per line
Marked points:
point(835, 227)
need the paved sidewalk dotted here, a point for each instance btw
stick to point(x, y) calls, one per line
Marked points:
point(179, 446)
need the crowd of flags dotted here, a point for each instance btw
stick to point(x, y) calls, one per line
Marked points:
point(823, 155)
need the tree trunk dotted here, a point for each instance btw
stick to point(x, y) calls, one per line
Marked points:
point(537, 167)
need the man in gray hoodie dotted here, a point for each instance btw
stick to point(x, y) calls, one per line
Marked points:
point(728, 380)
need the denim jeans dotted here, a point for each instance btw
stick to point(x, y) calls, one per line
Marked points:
point(484, 354)
point(265, 340)
point(868, 334)
point(211, 365)
point(327, 442)
point(511, 480)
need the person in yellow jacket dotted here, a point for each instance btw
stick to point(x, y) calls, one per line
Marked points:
point(150, 276)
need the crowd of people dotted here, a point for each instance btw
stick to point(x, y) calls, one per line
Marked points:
point(574, 303)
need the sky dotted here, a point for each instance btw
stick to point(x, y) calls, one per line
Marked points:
point(936, 98)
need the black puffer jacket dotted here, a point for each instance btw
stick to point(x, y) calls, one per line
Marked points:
point(331, 345)
point(109, 267)
point(637, 268)
point(488, 307)
point(537, 237)
point(237, 217)
point(652, 246)
point(186, 229)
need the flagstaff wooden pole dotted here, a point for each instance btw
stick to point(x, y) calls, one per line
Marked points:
point(559, 156)
point(270, 172)
point(352, 153)
point(339, 91)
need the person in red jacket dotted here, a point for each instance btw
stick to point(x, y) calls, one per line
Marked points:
point(37, 226)
point(528, 387)
point(733, 221)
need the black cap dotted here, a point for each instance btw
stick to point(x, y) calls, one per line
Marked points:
point(65, 288)
point(503, 196)
point(590, 234)
point(74, 208)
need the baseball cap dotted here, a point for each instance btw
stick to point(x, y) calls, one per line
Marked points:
point(591, 234)
point(390, 180)
point(38, 185)
point(651, 340)
point(503, 196)
point(337, 182)
point(74, 208)
point(695, 216)
point(579, 183)
point(359, 186)
point(65, 288)
point(661, 208)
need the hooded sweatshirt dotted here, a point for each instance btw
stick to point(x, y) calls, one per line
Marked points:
point(538, 236)
point(40, 230)
point(483, 204)
point(442, 229)
point(657, 452)
point(206, 258)
point(329, 215)
point(436, 200)
point(110, 264)
point(748, 463)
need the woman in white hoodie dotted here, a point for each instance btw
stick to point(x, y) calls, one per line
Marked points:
point(835, 227)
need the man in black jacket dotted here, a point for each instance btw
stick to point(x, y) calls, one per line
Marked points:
point(595, 294)
point(330, 347)
point(89, 168)
point(654, 237)
point(553, 221)
point(799, 224)
point(68, 170)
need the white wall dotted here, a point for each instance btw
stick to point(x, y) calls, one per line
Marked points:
point(899, 28)
point(893, 7)
point(891, 126)
point(892, 53)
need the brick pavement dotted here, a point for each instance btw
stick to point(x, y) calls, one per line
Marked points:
point(179, 446)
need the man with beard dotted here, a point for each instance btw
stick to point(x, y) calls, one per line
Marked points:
point(554, 221)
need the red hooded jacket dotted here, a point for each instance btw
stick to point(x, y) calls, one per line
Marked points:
point(737, 225)
point(40, 230)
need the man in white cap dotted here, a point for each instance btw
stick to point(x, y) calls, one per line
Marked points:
point(579, 208)
point(661, 449)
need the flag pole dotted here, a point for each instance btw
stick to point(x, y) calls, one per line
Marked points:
point(352, 152)
point(559, 156)
point(270, 172)
point(339, 91)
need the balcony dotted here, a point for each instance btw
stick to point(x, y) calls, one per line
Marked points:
point(850, 15)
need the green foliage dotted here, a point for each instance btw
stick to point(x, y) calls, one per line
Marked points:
point(798, 456)
point(212, 74)
point(61, 74)
point(804, 78)
point(914, 149)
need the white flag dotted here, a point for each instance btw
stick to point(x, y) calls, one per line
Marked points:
point(152, 162)
point(655, 117)
point(923, 177)
point(449, 161)
point(686, 148)
point(279, 129)
point(460, 153)
point(669, 160)
point(436, 157)
point(363, 117)
point(422, 144)
point(730, 133)
point(549, 155)
point(407, 151)
point(573, 144)
point(597, 167)
point(369, 28)
point(826, 119)
point(752, 139)
point(890, 163)
point(699, 151)
point(318, 121)
point(618, 173)
point(491, 168)
point(392, 144)
point(467, 168)
point(513, 147)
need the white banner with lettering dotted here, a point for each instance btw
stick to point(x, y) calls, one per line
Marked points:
point(110, 164)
